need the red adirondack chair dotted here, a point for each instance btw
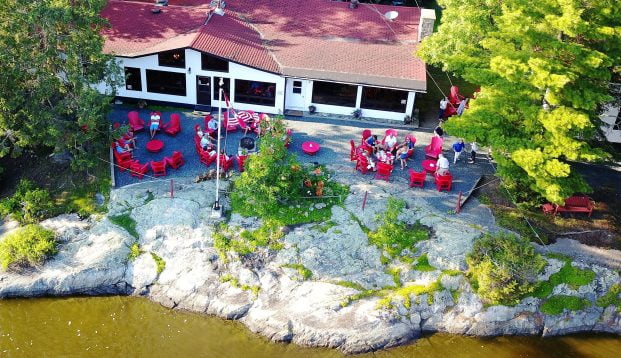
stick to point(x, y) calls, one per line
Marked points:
point(159, 168)
point(434, 148)
point(174, 125)
point(241, 160)
point(353, 153)
point(207, 119)
point(120, 157)
point(410, 152)
point(383, 171)
point(443, 182)
point(205, 158)
point(176, 160)
point(417, 178)
point(362, 164)
point(124, 164)
point(135, 122)
point(138, 170)
point(387, 133)
point(225, 165)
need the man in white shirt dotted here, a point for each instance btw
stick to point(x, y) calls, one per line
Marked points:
point(213, 125)
point(390, 142)
point(206, 141)
point(443, 104)
point(442, 165)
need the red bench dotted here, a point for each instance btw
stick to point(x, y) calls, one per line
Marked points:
point(573, 204)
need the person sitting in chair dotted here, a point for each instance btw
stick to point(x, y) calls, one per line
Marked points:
point(122, 147)
point(212, 125)
point(206, 141)
point(130, 138)
point(155, 123)
point(442, 165)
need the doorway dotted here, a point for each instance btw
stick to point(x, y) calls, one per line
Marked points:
point(203, 90)
point(295, 94)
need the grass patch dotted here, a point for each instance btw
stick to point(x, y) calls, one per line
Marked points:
point(513, 219)
point(305, 273)
point(452, 272)
point(405, 292)
point(235, 283)
point(422, 264)
point(557, 304)
point(324, 227)
point(394, 236)
point(455, 294)
point(611, 297)
point(568, 274)
point(159, 262)
point(395, 273)
point(349, 284)
point(134, 252)
point(126, 222)
point(28, 245)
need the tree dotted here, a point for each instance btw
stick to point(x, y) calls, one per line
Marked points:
point(544, 69)
point(52, 61)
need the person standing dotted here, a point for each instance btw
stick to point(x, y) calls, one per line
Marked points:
point(473, 152)
point(443, 104)
point(458, 147)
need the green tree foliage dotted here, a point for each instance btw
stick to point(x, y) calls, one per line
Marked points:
point(30, 245)
point(51, 55)
point(522, 53)
point(29, 204)
point(503, 268)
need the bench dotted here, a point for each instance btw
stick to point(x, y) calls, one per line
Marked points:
point(573, 204)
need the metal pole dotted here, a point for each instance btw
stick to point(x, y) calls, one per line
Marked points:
point(216, 205)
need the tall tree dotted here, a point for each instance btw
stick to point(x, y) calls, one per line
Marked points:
point(51, 62)
point(544, 69)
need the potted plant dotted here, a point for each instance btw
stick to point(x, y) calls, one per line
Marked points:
point(407, 119)
point(312, 109)
point(357, 113)
point(142, 104)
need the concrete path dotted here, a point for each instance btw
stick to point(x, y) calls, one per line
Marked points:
point(583, 253)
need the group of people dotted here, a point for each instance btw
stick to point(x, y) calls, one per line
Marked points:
point(460, 147)
point(126, 143)
point(387, 151)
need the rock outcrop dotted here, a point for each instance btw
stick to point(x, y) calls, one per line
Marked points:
point(180, 268)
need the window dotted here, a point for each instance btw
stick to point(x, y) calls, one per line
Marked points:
point(174, 58)
point(211, 63)
point(336, 94)
point(166, 82)
point(254, 92)
point(226, 87)
point(133, 81)
point(384, 99)
point(297, 87)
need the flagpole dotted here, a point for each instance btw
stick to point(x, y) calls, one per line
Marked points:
point(217, 212)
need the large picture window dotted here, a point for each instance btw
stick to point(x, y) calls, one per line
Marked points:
point(336, 94)
point(383, 99)
point(133, 82)
point(174, 58)
point(254, 92)
point(166, 82)
point(226, 86)
point(211, 63)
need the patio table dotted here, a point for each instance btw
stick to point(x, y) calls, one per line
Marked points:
point(154, 146)
point(310, 148)
point(429, 165)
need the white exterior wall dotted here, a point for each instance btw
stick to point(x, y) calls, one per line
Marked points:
point(193, 69)
point(324, 108)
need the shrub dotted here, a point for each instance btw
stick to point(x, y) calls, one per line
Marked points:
point(29, 204)
point(393, 235)
point(27, 245)
point(503, 268)
point(611, 297)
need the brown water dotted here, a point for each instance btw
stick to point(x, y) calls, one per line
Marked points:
point(126, 326)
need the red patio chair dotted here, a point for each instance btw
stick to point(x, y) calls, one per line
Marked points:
point(363, 141)
point(125, 164)
point(120, 157)
point(159, 168)
point(135, 122)
point(443, 182)
point(390, 132)
point(434, 148)
point(362, 164)
point(417, 179)
point(410, 152)
point(176, 160)
point(174, 125)
point(205, 158)
point(225, 165)
point(241, 160)
point(383, 171)
point(138, 170)
point(353, 152)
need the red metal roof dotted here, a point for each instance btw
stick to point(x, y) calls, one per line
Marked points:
point(318, 39)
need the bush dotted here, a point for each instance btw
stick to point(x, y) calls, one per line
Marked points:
point(394, 236)
point(27, 245)
point(503, 268)
point(557, 304)
point(29, 204)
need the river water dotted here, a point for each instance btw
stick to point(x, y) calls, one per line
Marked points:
point(135, 327)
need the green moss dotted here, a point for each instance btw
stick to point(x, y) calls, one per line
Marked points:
point(302, 270)
point(159, 263)
point(358, 296)
point(557, 304)
point(611, 297)
point(350, 284)
point(455, 294)
point(235, 283)
point(568, 274)
point(395, 273)
point(452, 272)
point(126, 222)
point(394, 236)
point(422, 264)
point(29, 245)
point(134, 251)
point(405, 292)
